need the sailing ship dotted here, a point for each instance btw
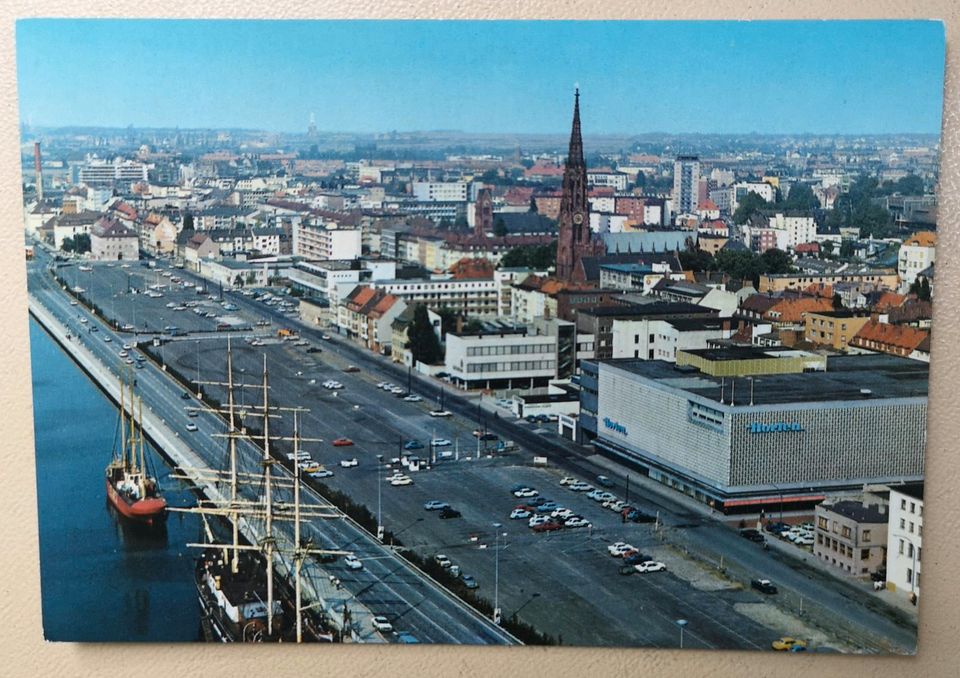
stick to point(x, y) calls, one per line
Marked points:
point(241, 598)
point(130, 489)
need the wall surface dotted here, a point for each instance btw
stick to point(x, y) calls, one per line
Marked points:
point(26, 654)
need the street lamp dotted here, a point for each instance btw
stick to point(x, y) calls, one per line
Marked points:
point(199, 393)
point(913, 572)
point(681, 623)
point(496, 574)
point(379, 506)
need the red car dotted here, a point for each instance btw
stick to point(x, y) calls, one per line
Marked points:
point(547, 527)
point(342, 442)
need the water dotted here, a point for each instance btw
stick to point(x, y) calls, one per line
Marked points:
point(102, 579)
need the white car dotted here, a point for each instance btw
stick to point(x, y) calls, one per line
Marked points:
point(381, 384)
point(353, 562)
point(618, 548)
point(562, 513)
point(299, 456)
point(519, 514)
point(806, 540)
point(580, 486)
point(576, 521)
point(440, 442)
point(604, 496)
point(568, 480)
point(439, 413)
point(650, 566)
point(191, 426)
point(382, 625)
point(322, 473)
point(127, 347)
point(325, 337)
point(399, 482)
point(413, 398)
point(349, 463)
point(538, 520)
point(123, 354)
point(525, 492)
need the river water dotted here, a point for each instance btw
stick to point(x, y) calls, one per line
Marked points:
point(102, 579)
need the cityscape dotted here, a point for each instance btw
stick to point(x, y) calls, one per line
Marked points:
point(573, 384)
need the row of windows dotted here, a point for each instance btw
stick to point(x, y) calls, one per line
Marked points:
point(913, 507)
point(515, 366)
point(515, 349)
point(705, 416)
point(909, 550)
point(904, 525)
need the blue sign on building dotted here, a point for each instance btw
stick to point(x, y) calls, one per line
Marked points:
point(779, 427)
point(614, 426)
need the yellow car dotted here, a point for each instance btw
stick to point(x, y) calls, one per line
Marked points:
point(789, 644)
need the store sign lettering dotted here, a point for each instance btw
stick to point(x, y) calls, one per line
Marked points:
point(779, 427)
point(614, 426)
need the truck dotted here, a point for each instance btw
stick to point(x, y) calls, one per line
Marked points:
point(506, 446)
point(285, 333)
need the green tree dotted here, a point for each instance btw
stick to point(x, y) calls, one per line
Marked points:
point(846, 249)
point(533, 205)
point(448, 321)
point(908, 185)
point(775, 261)
point(801, 198)
point(693, 259)
point(921, 288)
point(460, 222)
point(499, 227)
point(187, 222)
point(238, 281)
point(752, 202)
point(826, 247)
point(423, 343)
point(856, 208)
point(837, 301)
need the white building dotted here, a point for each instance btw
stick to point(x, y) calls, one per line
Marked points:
point(686, 184)
point(326, 241)
point(653, 339)
point(112, 241)
point(741, 189)
point(440, 191)
point(905, 538)
point(472, 298)
point(799, 228)
point(615, 180)
point(510, 358)
point(916, 253)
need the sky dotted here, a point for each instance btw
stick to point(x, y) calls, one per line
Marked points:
point(836, 77)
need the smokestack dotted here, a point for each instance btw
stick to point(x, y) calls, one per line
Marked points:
point(37, 170)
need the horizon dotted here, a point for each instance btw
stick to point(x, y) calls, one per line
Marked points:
point(485, 77)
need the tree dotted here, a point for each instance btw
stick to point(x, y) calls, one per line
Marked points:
point(826, 247)
point(423, 343)
point(187, 222)
point(837, 301)
point(238, 281)
point(80, 243)
point(921, 287)
point(856, 208)
point(693, 259)
point(500, 227)
point(533, 205)
point(448, 321)
point(801, 198)
point(539, 257)
point(846, 249)
point(752, 202)
point(775, 261)
point(460, 222)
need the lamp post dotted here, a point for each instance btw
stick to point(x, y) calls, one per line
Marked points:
point(496, 574)
point(913, 572)
point(199, 393)
point(379, 483)
point(681, 623)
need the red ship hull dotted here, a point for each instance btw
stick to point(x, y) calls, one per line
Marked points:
point(149, 510)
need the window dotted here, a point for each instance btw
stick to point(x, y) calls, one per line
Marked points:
point(913, 507)
point(900, 550)
point(903, 524)
point(909, 550)
point(845, 531)
point(822, 523)
point(911, 527)
point(866, 535)
point(864, 554)
point(903, 504)
point(909, 575)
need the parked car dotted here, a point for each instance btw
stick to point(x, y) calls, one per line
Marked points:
point(618, 548)
point(525, 492)
point(805, 540)
point(469, 581)
point(353, 562)
point(449, 512)
point(435, 505)
point(548, 526)
point(342, 442)
point(547, 507)
point(786, 643)
point(605, 481)
point(580, 486)
point(763, 586)
point(632, 558)
point(576, 521)
point(753, 535)
point(442, 560)
point(349, 463)
point(381, 624)
point(650, 566)
point(440, 442)
point(519, 514)
point(562, 513)
point(538, 520)
point(413, 445)
point(567, 480)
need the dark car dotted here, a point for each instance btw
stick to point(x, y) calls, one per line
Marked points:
point(413, 445)
point(636, 558)
point(185, 395)
point(488, 436)
point(637, 516)
point(537, 501)
point(627, 569)
point(314, 349)
point(776, 527)
point(605, 481)
point(449, 512)
point(763, 586)
point(753, 535)
point(547, 506)
point(532, 418)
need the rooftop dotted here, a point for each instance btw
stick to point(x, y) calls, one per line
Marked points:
point(847, 378)
point(914, 490)
point(856, 511)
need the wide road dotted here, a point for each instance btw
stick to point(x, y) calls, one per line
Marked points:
point(386, 585)
point(564, 584)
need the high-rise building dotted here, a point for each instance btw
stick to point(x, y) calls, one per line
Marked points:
point(574, 219)
point(686, 184)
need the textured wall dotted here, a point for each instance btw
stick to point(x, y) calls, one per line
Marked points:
point(25, 653)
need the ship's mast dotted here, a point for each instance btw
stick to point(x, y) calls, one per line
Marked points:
point(143, 465)
point(133, 433)
point(297, 550)
point(123, 424)
point(234, 517)
point(267, 461)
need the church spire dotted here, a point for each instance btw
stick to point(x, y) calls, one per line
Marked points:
point(575, 156)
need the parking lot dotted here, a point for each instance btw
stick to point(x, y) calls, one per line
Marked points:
point(564, 582)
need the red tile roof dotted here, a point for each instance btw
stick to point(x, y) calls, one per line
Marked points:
point(899, 339)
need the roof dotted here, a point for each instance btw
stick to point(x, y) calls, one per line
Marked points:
point(922, 239)
point(914, 489)
point(758, 303)
point(856, 511)
point(895, 336)
point(657, 308)
point(883, 376)
point(793, 310)
point(106, 227)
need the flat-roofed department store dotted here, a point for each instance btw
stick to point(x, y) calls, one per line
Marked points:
point(789, 439)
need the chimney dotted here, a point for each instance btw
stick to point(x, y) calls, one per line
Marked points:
point(37, 170)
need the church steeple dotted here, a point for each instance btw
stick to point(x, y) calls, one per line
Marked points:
point(574, 219)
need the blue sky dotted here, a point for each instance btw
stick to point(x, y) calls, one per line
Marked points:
point(373, 76)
